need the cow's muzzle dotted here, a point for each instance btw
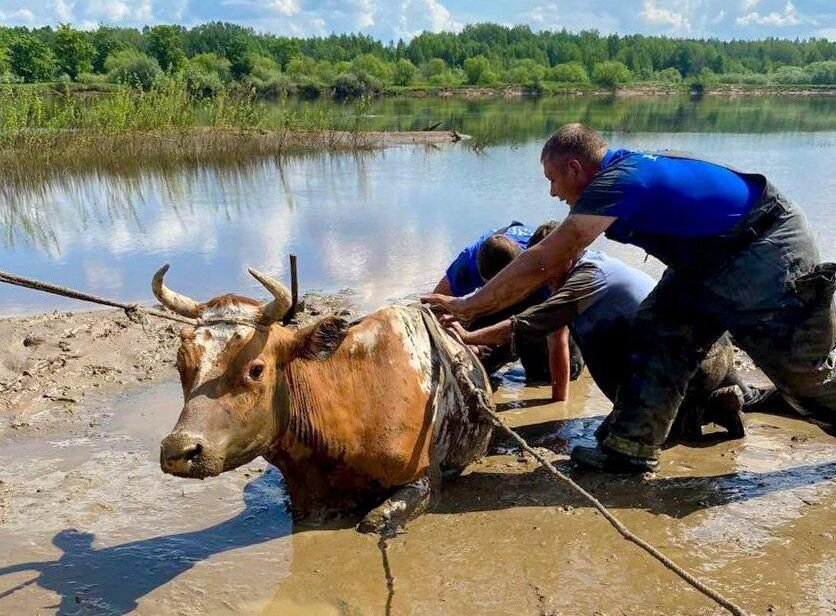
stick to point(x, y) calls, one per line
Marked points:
point(189, 455)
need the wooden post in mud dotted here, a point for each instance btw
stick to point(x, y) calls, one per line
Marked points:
point(294, 291)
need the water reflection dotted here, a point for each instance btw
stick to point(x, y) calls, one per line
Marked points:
point(512, 121)
point(383, 224)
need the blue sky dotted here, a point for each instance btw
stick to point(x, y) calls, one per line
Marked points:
point(392, 19)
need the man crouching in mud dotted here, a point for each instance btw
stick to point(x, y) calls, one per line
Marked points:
point(545, 356)
point(597, 302)
point(740, 256)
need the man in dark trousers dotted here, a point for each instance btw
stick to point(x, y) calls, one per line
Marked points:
point(740, 257)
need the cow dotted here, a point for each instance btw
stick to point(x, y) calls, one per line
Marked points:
point(358, 415)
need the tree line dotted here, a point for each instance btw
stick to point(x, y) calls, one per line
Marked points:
point(218, 56)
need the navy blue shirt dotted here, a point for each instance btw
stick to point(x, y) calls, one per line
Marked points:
point(463, 273)
point(664, 195)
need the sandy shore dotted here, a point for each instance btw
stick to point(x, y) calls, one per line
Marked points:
point(52, 362)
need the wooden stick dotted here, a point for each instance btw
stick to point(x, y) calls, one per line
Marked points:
point(294, 291)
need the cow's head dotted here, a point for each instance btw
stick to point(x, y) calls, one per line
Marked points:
point(232, 368)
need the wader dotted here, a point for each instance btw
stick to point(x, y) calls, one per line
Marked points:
point(761, 281)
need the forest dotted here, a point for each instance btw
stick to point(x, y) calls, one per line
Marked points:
point(215, 57)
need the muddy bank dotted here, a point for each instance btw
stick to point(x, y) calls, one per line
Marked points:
point(89, 524)
point(52, 362)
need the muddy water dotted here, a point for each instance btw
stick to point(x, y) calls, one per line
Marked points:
point(89, 525)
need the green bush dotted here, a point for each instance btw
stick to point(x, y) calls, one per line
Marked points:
point(132, 68)
point(165, 44)
point(266, 80)
point(668, 75)
point(478, 70)
point(207, 74)
point(372, 65)
point(88, 78)
point(308, 88)
point(611, 74)
point(569, 72)
point(353, 84)
point(299, 66)
point(448, 78)
point(404, 73)
point(823, 73)
point(434, 67)
point(525, 72)
point(791, 75)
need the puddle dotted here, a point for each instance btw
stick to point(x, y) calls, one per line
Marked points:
point(90, 525)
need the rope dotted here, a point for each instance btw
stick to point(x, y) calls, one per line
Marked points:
point(486, 407)
point(132, 311)
point(477, 397)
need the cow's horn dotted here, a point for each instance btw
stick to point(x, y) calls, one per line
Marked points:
point(180, 304)
point(275, 310)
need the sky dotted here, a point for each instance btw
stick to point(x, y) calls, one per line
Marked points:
point(393, 19)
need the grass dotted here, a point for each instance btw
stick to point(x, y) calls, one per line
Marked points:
point(42, 133)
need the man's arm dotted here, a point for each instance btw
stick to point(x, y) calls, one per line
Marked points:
point(558, 346)
point(548, 260)
point(443, 287)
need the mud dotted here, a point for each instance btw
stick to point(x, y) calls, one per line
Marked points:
point(90, 525)
point(51, 363)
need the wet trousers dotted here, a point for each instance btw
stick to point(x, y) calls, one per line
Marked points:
point(775, 299)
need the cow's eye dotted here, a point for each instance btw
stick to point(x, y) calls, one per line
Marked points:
point(255, 372)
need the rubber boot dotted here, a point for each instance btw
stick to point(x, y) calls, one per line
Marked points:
point(602, 459)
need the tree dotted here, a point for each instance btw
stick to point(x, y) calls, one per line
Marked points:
point(611, 74)
point(405, 72)
point(108, 40)
point(791, 75)
point(668, 75)
point(133, 68)
point(478, 70)
point(569, 72)
point(434, 67)
point(822, 72)
point(73, 51)
point(165, 45)
point(31, 59)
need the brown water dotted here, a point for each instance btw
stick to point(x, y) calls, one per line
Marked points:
point(90, 525)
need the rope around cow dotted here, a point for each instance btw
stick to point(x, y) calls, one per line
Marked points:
point(476, 397)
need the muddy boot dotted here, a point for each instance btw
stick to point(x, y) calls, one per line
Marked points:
point(603, 429)
point(601, 459)
point(724, 408)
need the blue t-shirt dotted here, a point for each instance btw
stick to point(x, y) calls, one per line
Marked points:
point(463, 273)
point(665, 195)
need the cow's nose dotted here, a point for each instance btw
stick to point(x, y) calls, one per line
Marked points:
point(180, 452)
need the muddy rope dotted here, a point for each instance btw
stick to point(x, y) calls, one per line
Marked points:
point(481, 400)
point(133, 311)
point(387, 570)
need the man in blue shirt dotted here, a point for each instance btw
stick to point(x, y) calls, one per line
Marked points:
point(740, 257)
point(597, 302)
point(482, 260)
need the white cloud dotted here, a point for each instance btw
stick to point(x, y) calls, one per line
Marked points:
point(63, 10)
point(750, 4)
point(789, 17)
point(718, 17)
point(17, 16)
point(288, 8)
point(664, 16)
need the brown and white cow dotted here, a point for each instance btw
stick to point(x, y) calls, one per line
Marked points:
point(356, 415)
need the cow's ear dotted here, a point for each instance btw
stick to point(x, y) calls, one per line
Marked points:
point(321, 339)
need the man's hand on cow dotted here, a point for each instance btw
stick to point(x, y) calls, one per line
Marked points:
point(456, 306)
point(460, 331)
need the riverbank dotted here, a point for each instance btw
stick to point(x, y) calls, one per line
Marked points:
point(546, 89)
point(51, 363)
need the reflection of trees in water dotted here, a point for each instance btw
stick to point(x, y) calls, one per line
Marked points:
point(514, 121)
point(46, 212)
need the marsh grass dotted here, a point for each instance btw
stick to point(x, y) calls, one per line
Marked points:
point(43, 134)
